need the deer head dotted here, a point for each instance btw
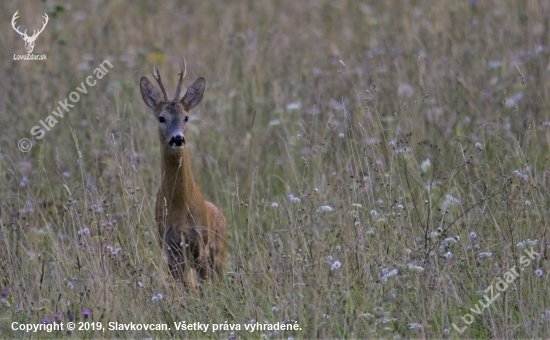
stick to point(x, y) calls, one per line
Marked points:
point(172, 115)
point(29, 41)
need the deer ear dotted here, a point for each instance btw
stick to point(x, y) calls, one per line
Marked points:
point(194, 93)
point(149, 93)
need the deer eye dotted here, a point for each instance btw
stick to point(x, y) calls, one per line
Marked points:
point(186, 118)
point(162, 120)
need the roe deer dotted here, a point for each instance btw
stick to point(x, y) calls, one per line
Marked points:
point(193, 231)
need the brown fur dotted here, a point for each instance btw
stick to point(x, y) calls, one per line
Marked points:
point(193, 231)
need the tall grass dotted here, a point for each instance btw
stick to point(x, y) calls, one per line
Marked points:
point(378, 164)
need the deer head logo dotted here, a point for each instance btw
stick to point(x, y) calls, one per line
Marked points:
point(29, 41)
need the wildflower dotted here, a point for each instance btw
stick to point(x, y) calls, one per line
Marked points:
point(415, 325)
point(448, 255)
point(527, 203)
point(400, 206)
point(479, 146)
point(374, 212)
point(473, 235)
point(86, 314)
point(539, 272)
point(521, 175)
point(154, 298)
point(160, 296)
point(341, 135)
point(274, 309)
point(484, 254)
point(294, 106)
point(392, 273)
point(326, 316)
point(527, 244)
point(46, 320)
point(57, 317)
point(426, 165)
point(415, 268)
point(4, 293)
point(325, 208)
point(336, 265)
point(84, 231)
point(293, 199)
point(448, 241)
point(275, 205)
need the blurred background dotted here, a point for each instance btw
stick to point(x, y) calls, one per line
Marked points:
point(365, 153)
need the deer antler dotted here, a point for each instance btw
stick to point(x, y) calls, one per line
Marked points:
point(13, 23)
point(24, 34)
point(44, 23)
point(156, 75)
point(182, 75)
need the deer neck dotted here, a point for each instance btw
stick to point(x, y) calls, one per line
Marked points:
point(177, 185)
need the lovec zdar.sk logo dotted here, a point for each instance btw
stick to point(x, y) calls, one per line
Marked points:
point(29, 40)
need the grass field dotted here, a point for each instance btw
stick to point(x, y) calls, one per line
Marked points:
point(382, 166)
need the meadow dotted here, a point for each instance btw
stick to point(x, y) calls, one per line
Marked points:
point(382, 166)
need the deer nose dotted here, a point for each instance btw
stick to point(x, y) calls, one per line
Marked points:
point(177, 141)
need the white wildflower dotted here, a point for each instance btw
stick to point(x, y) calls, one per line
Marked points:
point(539, 272)
point(336, 265)
point(448, 241)
point(448, 255)
point(325, 208)
point(392, 273)
point(484, 254)
point(84, 231)
point(527, 244)
point(426, 165)
point(294, 106)
point(275, 205)
point(415, 325)
point(415, 268)
point(293, 199)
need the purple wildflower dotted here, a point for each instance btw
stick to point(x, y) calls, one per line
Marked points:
point(86, 314)
point(46, 320)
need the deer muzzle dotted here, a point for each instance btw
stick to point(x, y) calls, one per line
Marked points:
point(177, 142)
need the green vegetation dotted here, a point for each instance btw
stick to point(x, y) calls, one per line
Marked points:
point(378, 163)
